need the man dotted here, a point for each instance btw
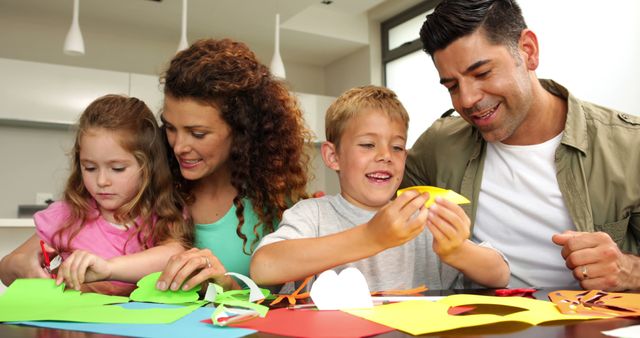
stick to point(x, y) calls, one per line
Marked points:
point(553, 180)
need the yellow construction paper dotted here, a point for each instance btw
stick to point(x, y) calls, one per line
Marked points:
point(437, 192)
point(423, 317)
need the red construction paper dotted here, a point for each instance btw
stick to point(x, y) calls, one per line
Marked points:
point(313, 323)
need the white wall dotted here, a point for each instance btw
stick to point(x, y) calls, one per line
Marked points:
point(348, 72)
point(591, 47)
point(593, 52)
point(33, 160)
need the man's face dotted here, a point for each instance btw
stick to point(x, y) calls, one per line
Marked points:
point(489, 84)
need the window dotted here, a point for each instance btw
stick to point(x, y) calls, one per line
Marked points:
point(410, 72)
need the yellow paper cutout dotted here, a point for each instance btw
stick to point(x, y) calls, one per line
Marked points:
point(437, 192)
point(423, 317)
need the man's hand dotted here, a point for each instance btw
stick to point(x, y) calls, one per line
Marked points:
point(597, 262)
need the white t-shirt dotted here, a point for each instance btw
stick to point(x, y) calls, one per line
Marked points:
point(520, 207)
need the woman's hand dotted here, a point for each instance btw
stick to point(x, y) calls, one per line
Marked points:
point(191, 268)
point(82, 267)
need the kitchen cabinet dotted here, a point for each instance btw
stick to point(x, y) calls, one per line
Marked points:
point(42, 93)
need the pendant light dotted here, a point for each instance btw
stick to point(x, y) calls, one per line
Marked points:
point(277, 66)
point(73, 43)
point(183, 37)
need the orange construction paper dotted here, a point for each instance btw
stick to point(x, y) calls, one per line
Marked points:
point(597, 302)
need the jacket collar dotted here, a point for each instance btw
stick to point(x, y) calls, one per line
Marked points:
point(575, 128)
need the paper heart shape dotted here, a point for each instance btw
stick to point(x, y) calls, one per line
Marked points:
point(347, 290)
point(436, 192)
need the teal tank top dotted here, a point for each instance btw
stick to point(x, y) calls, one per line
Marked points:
point(220, 237)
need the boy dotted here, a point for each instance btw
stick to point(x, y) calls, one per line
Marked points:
point(366, 131)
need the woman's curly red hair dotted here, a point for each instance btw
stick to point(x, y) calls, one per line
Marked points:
point(268, 159)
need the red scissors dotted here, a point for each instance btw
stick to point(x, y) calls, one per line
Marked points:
point(49, 265)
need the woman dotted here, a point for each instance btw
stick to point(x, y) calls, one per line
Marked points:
point(238, 138)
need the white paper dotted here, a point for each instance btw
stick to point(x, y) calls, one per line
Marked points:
point(254, 294)
point(626, 332)
point(347, 290)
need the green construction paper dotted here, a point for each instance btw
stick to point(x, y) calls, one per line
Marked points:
point(45, 292)
point(147, 292)
point(41, 299)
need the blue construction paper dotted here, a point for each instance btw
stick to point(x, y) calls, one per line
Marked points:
point(187, 326)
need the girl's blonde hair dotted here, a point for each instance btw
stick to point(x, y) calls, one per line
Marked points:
point(157, 199)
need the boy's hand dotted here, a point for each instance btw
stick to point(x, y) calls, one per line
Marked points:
point(82, 267)
point(395, 223)
point(450, 227)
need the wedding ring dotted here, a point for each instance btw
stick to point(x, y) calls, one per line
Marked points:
point(584, 272)
point(206, 260)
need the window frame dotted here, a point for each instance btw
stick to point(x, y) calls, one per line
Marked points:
point(409, 46)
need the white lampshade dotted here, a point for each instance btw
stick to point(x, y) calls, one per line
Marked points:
point(73, 43)
point(183, 35)
point(277, 66)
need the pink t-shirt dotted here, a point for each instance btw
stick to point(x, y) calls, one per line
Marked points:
point(97, 235)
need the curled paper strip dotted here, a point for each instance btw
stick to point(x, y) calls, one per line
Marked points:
point(255, 294)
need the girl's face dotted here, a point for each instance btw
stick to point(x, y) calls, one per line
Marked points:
point(110, 173)
point(200, 138)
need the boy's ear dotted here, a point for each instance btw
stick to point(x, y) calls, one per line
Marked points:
point(330, 155)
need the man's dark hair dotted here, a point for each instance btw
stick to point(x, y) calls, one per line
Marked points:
point(501, 20)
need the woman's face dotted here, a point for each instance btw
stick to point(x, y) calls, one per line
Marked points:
point(200, 138)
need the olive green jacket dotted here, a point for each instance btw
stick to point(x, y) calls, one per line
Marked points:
point(597, 166)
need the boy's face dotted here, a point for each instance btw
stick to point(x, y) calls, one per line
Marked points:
point(370, 158)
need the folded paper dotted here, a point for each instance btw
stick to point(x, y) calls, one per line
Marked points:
point(437, 192)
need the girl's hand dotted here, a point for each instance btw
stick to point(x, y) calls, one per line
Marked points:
point(82, 267)
point(191, 268)
point(450, 227)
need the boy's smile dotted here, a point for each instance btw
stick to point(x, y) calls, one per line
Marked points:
point(370, 158)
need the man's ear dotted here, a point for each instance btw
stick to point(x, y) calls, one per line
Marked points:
point(528, 47)
point(330, 155)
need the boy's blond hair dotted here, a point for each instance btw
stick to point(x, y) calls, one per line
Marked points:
point(354, 101)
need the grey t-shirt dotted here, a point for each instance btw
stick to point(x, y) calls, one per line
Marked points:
point(403, 267)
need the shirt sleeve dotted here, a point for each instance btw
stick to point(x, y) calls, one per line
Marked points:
point(49, 220)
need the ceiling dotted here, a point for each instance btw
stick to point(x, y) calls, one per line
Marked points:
point(142, 35)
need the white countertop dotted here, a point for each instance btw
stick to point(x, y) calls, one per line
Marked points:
point(16, 223)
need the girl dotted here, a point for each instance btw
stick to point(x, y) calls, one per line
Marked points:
point(120, 218)
point(238, 138)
